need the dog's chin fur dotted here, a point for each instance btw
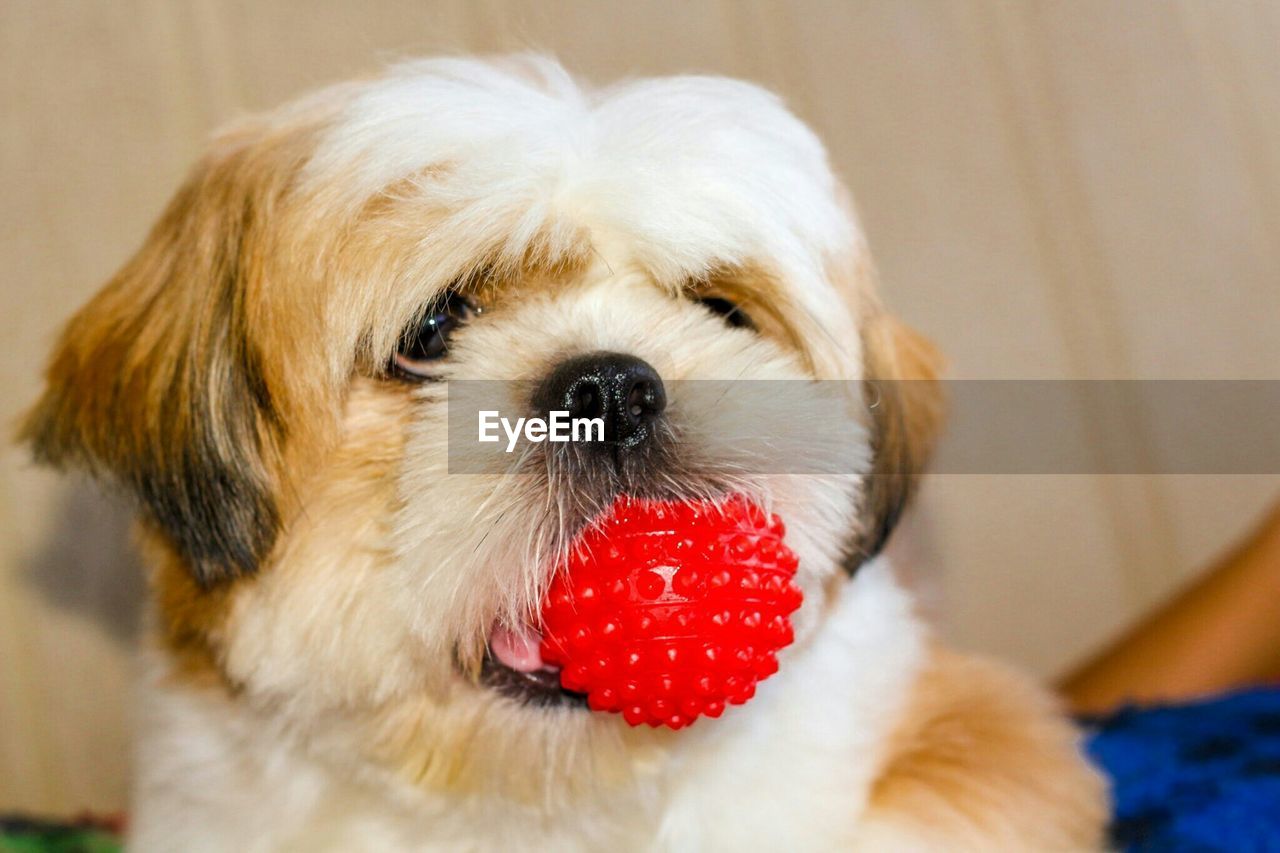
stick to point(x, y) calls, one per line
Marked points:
point(324, 588)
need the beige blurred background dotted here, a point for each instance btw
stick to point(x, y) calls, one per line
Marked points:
point(1052, 189)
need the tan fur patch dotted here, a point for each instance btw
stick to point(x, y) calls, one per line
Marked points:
point(907, 409)
point(171, 382)
point(982, 754)
point(189, 617)
point(901, 369)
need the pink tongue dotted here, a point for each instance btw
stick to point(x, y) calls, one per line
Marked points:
point(520, 650)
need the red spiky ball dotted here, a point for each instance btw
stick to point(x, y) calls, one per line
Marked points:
point(665, 612)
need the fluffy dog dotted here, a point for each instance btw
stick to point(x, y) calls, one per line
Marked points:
point(267, 377)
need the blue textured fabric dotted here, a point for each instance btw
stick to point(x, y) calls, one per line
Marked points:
point(1196, 777)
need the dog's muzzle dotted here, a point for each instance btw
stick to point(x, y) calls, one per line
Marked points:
point(669, 605)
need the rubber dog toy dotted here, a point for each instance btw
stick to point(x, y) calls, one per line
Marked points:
point(665, 612)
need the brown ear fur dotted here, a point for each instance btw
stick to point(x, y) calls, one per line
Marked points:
point(906, 405)
point(158, 384)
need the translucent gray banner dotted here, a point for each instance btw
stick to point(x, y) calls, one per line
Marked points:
point(989, 427)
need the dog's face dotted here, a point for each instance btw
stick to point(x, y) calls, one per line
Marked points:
point(271, 377)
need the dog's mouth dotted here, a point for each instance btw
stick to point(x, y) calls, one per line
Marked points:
point(513, 666)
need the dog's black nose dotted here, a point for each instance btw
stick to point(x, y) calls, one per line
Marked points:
point(623, 390)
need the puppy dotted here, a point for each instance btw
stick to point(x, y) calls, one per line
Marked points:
point(270, 377)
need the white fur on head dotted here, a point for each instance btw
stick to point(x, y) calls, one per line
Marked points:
point(689, 174)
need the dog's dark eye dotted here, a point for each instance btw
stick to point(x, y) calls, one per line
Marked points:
point(429, 342)
point(730, 311)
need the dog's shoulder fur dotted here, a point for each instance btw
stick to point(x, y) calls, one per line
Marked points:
point(987, 757)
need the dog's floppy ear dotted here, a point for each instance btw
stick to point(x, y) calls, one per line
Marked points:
point(905, 401)
point(157, 384)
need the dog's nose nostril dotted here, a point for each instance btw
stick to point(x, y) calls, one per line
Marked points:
point(622, 389)
point(586, 401)
point(645, 398)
